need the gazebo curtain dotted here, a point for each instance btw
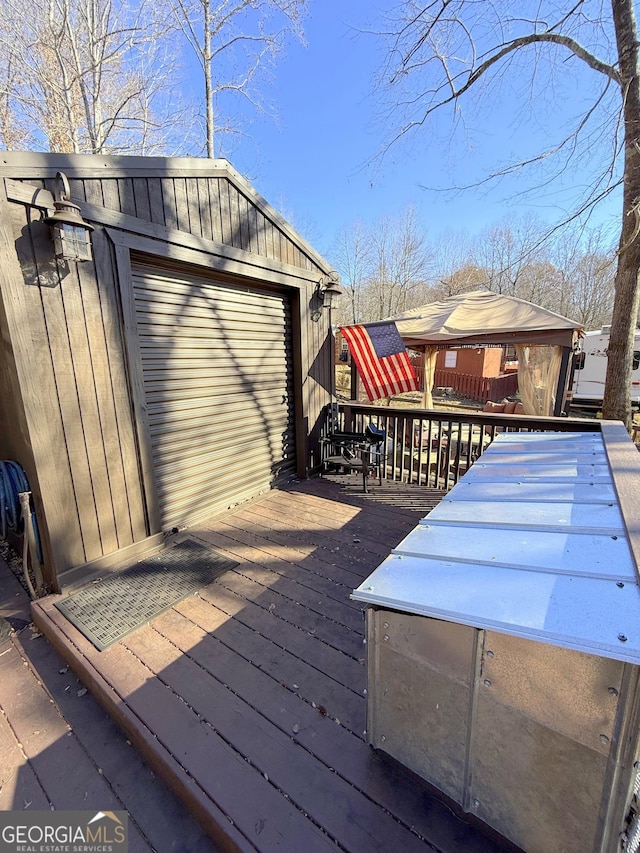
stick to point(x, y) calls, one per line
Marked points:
point(538, 375)
point(430, 356)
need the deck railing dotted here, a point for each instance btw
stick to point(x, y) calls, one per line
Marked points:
point(434, 448)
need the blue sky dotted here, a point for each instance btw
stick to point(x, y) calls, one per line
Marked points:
point(314, 165)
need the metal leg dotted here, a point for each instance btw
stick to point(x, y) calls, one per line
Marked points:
point(366, 459)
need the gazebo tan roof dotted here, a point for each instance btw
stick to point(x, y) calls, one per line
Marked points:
point(484, 317)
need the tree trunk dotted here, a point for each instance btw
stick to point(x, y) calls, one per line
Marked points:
point(208, 85)
point(617, 403)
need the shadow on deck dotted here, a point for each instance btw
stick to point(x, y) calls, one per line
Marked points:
point(248, 697)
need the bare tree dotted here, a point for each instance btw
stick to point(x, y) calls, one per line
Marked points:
point(86, 76)
point(516, 260)
point(454, 270)
point(587, 261)
point(351, 253)
point(233, 41)
point(400, 260)
point(462, 280)
point(384, 267)
point(442, 50)
point(507, 252)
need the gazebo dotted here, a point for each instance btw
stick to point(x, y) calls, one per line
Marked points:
point(543, 340)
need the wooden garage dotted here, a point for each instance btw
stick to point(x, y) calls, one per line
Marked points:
point(183, 369)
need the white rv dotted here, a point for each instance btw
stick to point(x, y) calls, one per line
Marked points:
point(590, 369)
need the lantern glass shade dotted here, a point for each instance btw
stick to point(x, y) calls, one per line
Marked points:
point(72, 242)
point(69, 230)
point(330, 293)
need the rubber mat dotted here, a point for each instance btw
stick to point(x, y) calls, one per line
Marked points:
point(108, 610)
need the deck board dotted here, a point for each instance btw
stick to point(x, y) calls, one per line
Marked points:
point(302, 558)
point(292, 577)
point(67, 734)
point(19, 785)
point(284, 666)
point(251, 693)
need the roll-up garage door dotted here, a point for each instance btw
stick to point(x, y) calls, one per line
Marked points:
point(218, 383)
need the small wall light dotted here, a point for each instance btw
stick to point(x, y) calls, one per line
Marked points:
point(326, 292)
point(70, 231)
point(330, 290)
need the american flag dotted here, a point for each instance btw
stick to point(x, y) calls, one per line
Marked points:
point(381, 358)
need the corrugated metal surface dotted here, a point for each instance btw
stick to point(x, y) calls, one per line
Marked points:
point(217, 369)
point(553, 565)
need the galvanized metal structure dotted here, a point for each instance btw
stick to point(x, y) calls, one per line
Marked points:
point(182, 370)
point(504, 646)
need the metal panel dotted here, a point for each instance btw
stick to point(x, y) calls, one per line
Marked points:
point(532, 441)
point(428, 665)
point(533, 739)
point(523, 490)
point(562, 552)
point(583, 613)
point(579, 518)
point(544, 744)
point(218, 384)
point(569, 472)
point(539, 789)
point(573, 693)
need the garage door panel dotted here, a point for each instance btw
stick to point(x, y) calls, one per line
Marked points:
point(217, 376)
point(211, 470)
point(197, 290)
point(242, 490)
point(174, 387)
point(188, 327)
point(225, 381)
point(173, 438)
point(225, 454)
point(159, 348)
point(214, 364)
point(192, 314)
point(217, 409)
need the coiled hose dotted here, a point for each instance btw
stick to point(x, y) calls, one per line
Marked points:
point(17, 516)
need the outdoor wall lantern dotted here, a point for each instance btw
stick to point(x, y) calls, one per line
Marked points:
point(327, 291)
point(70, 232)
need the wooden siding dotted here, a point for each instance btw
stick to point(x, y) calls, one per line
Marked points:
point(67, 356)
point(212, 208)
point(81, 431)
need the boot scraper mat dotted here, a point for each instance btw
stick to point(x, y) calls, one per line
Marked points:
point(108, 610)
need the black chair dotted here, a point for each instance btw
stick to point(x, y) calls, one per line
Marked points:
point(353, 451)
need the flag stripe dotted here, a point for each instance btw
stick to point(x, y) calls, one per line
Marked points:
point(374, 370)
point(362, 354)
point(382, 376)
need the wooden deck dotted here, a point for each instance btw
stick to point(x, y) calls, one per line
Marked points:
point(59, 749)
point(248, 698)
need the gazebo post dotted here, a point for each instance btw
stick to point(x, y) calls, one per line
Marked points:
point(563, 380)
